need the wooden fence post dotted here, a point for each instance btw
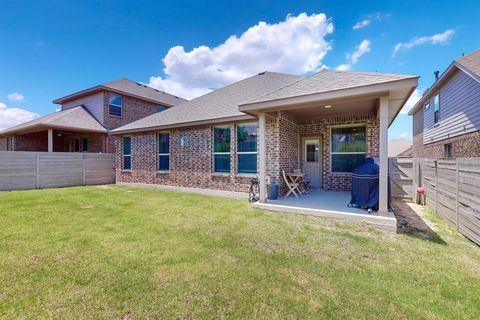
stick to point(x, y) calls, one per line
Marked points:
point(457, 175)
point(37, 170)
point(83, 170)
point(436, 184)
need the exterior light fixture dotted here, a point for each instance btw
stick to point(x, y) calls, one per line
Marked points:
point(328, 106)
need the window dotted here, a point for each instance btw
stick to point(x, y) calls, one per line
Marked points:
point(427, 106)
point(448, 150)
point(348, 148)
point(76, 145)
point(436, 108)
point(160, 108)
point(163, 151)
point(84, 144)
point(115, 105)
point(221, 149)
point(127, 153)
point(247, 148)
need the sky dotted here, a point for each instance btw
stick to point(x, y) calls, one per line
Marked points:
point(49, 49)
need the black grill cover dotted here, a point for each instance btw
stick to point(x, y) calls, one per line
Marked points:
point(365, 185)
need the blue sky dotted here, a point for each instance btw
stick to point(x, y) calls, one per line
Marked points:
point(51, 48)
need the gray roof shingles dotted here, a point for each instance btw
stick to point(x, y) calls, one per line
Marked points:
point(75, 119)
point(129, 87)
point(218, 104)
point(471, 62)
point(329, 80)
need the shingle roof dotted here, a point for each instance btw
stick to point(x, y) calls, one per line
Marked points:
point(471, 62)
point(219, 104)
point(329, 80)
point(128, 87)
point(74, 119)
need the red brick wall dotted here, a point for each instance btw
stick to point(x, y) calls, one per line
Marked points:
point(38, 141)
point(133, 109)
point(467, 145)
point(322, 127)
point(190, 166)
point(96, 142)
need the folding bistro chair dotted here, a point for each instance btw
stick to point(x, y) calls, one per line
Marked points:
point(292, 186)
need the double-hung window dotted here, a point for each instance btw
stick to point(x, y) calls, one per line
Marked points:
point(221, 149)
point(247, 148)
point(127, 153)
point(115, 105)
point(348, 148)
point(163, 151)
point(436, 108)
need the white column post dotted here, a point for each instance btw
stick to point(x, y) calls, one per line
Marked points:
point(383, 112)
point(262, 156)
point(50, 140)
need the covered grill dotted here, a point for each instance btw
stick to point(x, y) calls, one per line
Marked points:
point(365, 186)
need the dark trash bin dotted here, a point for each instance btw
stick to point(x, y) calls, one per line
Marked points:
point(272, 190)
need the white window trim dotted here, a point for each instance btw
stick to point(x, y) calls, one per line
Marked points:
point(331, 144)
point(115, 105)
point(220, 153)
point(246, 152)
point(163, 154)
point(128, 155)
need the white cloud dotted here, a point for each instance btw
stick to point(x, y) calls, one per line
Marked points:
point(296, 45)
point(13, 116)
point(403, 135)
point(344, 67)
point(416, 95)
point(361, 24)
point(360, 50)
point(439, 38)
point(16, 97)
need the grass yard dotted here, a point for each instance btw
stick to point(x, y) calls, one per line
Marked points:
point(126, 253)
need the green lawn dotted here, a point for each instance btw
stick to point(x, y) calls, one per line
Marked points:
point(125, 253)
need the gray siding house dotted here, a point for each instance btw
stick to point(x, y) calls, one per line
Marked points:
point(446, 120)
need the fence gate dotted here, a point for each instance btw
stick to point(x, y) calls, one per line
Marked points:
point(401, 171)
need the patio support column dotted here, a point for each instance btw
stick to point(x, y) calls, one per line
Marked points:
point(262, 157)
point(383, 198)
point(50, 140)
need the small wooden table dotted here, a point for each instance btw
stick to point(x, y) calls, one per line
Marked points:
point(297, 177)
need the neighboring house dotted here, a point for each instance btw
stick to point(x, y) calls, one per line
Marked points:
point(446, 120)
point(324, 124)
point(399, 147)
point(86, 116)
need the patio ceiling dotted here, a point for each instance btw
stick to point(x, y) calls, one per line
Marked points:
point(365, 106)
point(349, 93)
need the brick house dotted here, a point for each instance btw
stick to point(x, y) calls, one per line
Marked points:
point(324, 124)
point(86, 117)
point(446, 120)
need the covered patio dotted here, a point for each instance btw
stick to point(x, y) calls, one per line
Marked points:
point(330, 204)
point(71, 130)
point(325, 126)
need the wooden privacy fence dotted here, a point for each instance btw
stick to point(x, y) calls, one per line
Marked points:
point(453, 191)
point(401, 177)
point(30, 170)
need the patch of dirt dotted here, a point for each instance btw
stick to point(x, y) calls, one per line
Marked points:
point(410, 222)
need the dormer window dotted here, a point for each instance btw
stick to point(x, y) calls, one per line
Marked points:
point(115, 105)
